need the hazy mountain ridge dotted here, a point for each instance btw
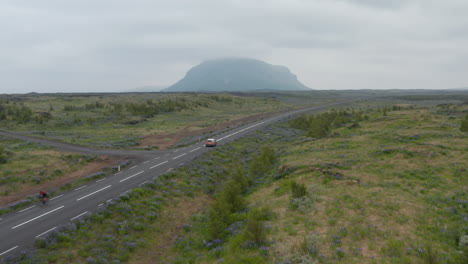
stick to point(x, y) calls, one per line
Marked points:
point(459, 88)
point(147, 88)
point(237, 74)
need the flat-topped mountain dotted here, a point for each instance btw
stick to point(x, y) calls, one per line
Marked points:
point(237, 74)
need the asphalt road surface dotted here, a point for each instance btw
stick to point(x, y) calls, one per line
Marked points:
point(19, 230)
point(82, 149)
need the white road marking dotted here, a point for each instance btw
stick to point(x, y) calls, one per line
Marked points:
point(80, 187)
point(13, 248)
point(46, 232)
point(144, 183)
point(56, 197)
point(25, 209)
point(146, 162)
point(93, 192)
point(108, 200)
point(133, 167)
point(195, 149)
point(37, 217)
point(241, 130)
point(157, 158)
point(100, 204)
point(132, 176)
point(102, 179)
point(78, 216)
point(159, 164)
point(179, 156)
point(118, 173)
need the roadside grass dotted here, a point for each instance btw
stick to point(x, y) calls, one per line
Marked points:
point(30, 167)
point(172, 222)
point(30, 164)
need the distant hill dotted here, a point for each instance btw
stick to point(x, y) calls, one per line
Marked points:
point(459, 89)
point(148, 88)
point(235, 75)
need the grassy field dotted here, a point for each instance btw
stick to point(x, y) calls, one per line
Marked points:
point(123, 120)
point(390, 187)
point(29, 163)
point(26, 168)
point(113, 121)
point(101, 120)
point(393, 190)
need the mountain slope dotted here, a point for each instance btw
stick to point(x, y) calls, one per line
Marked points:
point(237, 74)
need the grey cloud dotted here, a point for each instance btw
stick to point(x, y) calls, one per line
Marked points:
point(117, 45)
point(386, 4)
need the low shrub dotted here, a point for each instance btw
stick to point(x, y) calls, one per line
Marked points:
point(255, 232)
point(309, 246)
point(303, 199)
point(298, 190)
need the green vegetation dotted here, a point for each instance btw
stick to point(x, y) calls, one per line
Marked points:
point(319, 126)
point(464, 124)
point(386, 183)
point(123, 120)
point(3, 155)
point(128, 226)
point(18, 113)
point(363, 194)
point(262, 163)
point(382, 201)
point(27, 165)
point(229, 203)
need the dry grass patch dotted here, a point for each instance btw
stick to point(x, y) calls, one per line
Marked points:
point(169, 225)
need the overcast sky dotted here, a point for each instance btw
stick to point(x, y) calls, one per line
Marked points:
point(114, 45)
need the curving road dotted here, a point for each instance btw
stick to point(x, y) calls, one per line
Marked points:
point(82, 149)
point(19, 230)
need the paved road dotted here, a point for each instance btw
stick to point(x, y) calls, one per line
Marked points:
point(82, 149)
point(19, 230)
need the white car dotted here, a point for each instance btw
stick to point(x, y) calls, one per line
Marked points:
point(211, 142)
